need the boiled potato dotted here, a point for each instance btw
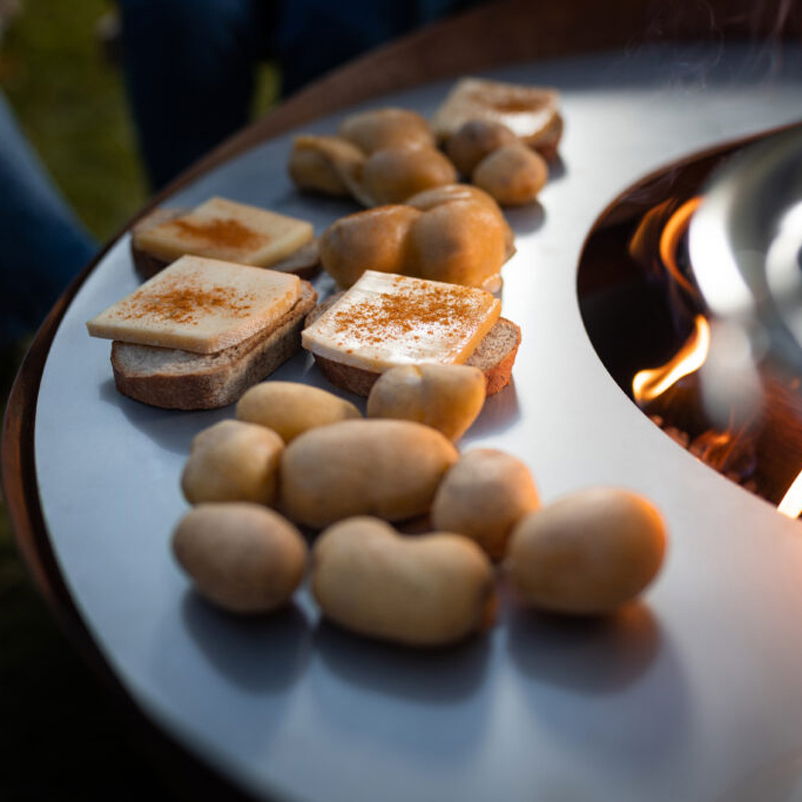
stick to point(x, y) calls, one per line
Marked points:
point(460, 242)
point(232, 461)
point(374, 238)
point(386, 128)
point(483, 497)
point(588, 552)
point(290, 408)
point(386, 468)
point(427, 590)
point(430, 198)
point(474, 140)
point(325, 164)
point(513, 174)
point(394, 174)
point(446, 397)
point(242, 557)
point(447, 193)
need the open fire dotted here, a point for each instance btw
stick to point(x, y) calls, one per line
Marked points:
point(636, 270)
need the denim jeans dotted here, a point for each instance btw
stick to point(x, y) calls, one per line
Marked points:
point(42, 244)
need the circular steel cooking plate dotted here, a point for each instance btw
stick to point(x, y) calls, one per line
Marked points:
point(678, 698)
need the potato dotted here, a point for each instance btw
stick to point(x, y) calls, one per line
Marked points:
point(461, 242)
point(325, 164)
point(386, 128)
point(513, 174)
point(588, 552)
point(386, 468)
point(454, 233)
point(447, 193)
point(474, 140)
point(232, 461)
point(483, 497)
point(290, 408)
point(426, 590)
point(446, 397)
point(394, 174)
point(242, 557)
point(374, 238)
point(430, 198)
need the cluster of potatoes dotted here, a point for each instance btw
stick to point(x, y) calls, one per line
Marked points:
point(420, 221)
point(454, 233)
point(384, 156)
point(297, 456)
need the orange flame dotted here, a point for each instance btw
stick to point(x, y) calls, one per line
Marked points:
point(650, 383)
point(670, 236)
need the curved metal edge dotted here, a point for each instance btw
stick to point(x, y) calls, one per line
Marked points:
point(488, 36)
point(182, 771)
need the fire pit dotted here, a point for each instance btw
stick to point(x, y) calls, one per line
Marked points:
point(652, 328)
point(692, 695)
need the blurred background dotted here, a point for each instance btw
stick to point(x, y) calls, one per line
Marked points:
point(62, 735)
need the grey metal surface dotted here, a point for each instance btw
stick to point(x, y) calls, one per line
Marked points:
point(745, 242)
point(694, 695)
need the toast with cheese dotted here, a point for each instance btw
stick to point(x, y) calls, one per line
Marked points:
point(225, 230)
point(353, 341)
point(201, 332)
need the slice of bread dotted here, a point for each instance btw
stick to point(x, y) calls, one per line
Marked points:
point(494, 356)
point(175, 379)
point(304, 262)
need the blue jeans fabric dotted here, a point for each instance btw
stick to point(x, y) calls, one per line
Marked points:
point(190, 64)
point(42, 244)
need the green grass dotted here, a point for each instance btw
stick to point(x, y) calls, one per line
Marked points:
point(70, 103)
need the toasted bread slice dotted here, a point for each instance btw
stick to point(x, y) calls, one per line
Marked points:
point(175, 379)
point(494, 356)
point(304, 261)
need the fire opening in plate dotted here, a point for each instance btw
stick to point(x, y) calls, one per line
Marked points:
point(696, 376)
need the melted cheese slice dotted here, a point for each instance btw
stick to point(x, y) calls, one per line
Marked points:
point(223, 229)
point(200, 305)
point(386, 320)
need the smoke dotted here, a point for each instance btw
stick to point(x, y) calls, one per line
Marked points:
point(763, 23)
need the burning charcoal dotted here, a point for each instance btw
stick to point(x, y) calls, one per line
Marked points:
point(677, 435)
point(726, 452)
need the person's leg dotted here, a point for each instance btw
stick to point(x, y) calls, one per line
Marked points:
point(315, 36)
point(42, 244)
point(189, 68)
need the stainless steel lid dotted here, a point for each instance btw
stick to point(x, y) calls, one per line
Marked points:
point(745, 245)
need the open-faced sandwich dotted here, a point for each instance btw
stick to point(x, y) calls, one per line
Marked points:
point(226, 230)
point(385, 320)
point(202, 331)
